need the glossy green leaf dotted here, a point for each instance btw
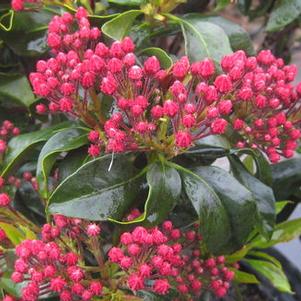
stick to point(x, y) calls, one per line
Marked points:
point(283, 232)
point(226, 209)
point(12, 233)
point(127, 2)
point(73, 160)
point(281, 205)
point(28, 34)
point(200, 39)
point(263, 195)
point(238, 255)
point(286, 178)
point(214, 221)
point(14, 289)
point(248, 162)
point(165, 186)
point(273, 273)
point(283, 13)
point(16, 88)
point(238, 36)
point(164, 58)
point(18, 146)
point(213, 146)
point(120, 26)
point(243, 277)
point(110, 186)
point(164, 192)
point(263, 167)
point(63, 141)
point(265, 256)
point(221, 4)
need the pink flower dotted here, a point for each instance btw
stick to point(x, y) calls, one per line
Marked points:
point(115, 254)
point(183, 139)
point(41, 109)
point(223, 83)
point(96, 288)
point(93, 230)
point(135, 282)
point(218, 126)
point(161, 286)
point(181, 68)
point(94, 150)
point(4, 199)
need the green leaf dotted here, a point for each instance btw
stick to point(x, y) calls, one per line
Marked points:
point(20, 145)
point(210, 147)
point(284, 13)
point(127, 2)
point(281, 205)
point(119, 27)
point(248, 162)
point(63, 141)
point(105, 193)
point(283, 232)
point(265, 256)
point(164, 192)
point(286, 178)
point(263, 195)
point(164, 58)
point(273, 273)
point(200, 39)
point(28, 34)
point(226, 209)
point(215, 224)
point(73, 160)
point(10, 287)
point(12, 233)
point(164, 184)
point(22, 94)
point(238, 36)
point(214, 141)
point(238, 255)
point(243, 277)
point(263, 167)
point(221, 4)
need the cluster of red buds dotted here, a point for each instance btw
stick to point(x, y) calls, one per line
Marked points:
point(18, 5)
point(70, 227)
point(265, 103)
point(14, 182)
point(7, 130)
point(48, 268)
point(158, 260)
point(166, 110)
point(75, 67)
point(159, 110)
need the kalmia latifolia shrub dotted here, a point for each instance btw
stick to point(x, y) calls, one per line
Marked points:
point(251, 100)
point(156, 259)
point(161, 259)
point(166, 110)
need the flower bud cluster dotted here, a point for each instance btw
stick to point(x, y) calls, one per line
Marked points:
point(48, 268)
point(166, 110)
point(158, 109)
point(263, 103)
point(18, 5)
point(70, 227)
point(160, 259)
point(7, 130)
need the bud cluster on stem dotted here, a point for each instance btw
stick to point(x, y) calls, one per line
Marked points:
point(166, 110)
